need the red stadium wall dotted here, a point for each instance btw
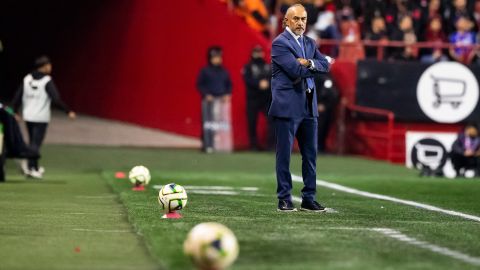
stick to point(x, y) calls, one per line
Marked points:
point(138, 61)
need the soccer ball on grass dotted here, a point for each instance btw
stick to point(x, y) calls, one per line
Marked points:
point(139, 176)
point(211, 246)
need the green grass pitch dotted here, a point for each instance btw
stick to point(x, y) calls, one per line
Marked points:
point(81, 217)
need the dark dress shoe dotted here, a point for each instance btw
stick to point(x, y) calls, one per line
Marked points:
point(312, 206)
point(286, 206)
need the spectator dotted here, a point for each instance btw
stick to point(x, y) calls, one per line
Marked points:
point(374, 9)
point(476, 14)
point(255, 14)
point(465, 153)
point(350, 30)
point(434, 35)
point(459, 9)
point(35, 96)
point(405, 32)
point(463, 39)
point(213, 83)
point(327, 98)
point(432, 11)
point(325, 26)
point(377, 32)
point(257, 75)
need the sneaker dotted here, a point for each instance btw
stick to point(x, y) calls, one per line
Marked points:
point(24, 166)
point(41, 170)
point(312, 206)
point(35, 174)
point(286, 206)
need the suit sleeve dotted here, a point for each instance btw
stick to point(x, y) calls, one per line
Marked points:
point(55, 96)
point(321, 64)
point(284, 58)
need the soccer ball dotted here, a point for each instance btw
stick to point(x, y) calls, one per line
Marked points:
point(139, 175)
point(172, 197)
point(211, 246)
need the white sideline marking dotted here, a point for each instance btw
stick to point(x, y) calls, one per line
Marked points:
point(101, 231)
point(388, 198)
point(394, 234)
point(103, 214)
point(425, 245)
point(327, 210)
point(213, 192)
point(253, 189)
point(96, 197)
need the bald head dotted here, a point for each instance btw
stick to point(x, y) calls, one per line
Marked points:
point(296, 19)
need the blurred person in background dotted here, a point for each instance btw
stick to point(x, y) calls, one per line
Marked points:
point(377, 32)
point(401, 9)
point(325, 26)
point(213, 82)
point(12, 144)
point(463, 40)
point(433, 10)
point(35, 95)
point(351, 49)
point(255, 14)
point(372, 9)
point(456, 10)
point(327, 99)
point(406, 33)
point(476, 14)
point(434, 34)
point(465, 153)
point(257, 74)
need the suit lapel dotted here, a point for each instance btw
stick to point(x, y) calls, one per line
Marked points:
point(293, 43)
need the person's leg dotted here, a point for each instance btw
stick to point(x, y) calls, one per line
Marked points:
point(207, 132)
point(252, 123)
point(36, 132)
point(31, 132)
point(458, 162)
point(285, 132)
point(307, 141)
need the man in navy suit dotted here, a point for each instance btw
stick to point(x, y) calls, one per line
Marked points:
point(295, 61)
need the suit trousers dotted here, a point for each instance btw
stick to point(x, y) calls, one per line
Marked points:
point(305, 129)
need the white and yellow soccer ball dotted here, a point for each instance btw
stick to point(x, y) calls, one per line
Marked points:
point(139, 176)
point(172, 197)
point(211, 246)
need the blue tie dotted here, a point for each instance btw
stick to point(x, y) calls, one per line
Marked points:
point(310, 81)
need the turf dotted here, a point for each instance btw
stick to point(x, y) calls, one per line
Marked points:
point(268, 240)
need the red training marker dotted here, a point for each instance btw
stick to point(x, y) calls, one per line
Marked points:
point(173, 215)
point(120, 175)
point(77, 249)
point(139, 188)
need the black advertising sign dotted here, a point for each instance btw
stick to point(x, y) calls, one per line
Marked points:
point(445, 92)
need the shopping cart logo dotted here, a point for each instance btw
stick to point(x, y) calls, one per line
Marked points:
point(447, 92)
point(429, 153)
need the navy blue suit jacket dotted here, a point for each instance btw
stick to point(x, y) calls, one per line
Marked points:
point(289, 76)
